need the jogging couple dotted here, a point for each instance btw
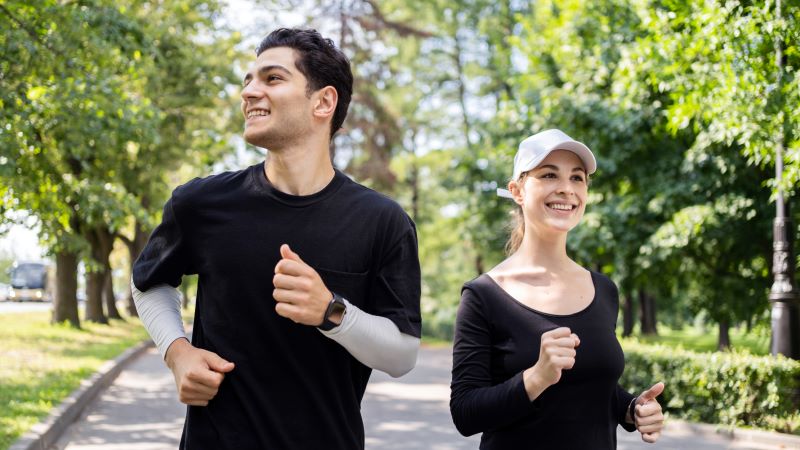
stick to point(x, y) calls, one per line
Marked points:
point(308, 281)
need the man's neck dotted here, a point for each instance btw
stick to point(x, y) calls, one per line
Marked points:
point(298, 170)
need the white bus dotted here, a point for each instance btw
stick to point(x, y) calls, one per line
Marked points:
point(31, 281)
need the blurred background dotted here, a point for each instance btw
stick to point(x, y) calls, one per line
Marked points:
point(692, 108)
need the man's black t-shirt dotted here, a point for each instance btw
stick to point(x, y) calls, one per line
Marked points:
point(497, 338)
point(292, 387)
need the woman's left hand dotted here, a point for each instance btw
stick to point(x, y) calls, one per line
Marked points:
point(647, 414)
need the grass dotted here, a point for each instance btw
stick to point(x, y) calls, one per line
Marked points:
point(41, 364)
point(435, 342)
point(689, 338)
point(698, 340)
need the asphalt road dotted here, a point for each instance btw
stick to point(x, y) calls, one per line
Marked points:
point(140, 411)
point(7, 307)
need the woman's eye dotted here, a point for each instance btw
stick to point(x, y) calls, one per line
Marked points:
point(549, 175)
point(273, 78)
point(578, 178)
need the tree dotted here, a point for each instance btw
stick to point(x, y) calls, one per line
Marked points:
point(91, 102)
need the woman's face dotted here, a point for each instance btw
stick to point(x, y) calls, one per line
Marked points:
point(553, 195)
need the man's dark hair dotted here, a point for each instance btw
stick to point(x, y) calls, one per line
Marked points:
point(320, 61)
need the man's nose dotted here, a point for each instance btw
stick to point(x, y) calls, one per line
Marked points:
point(250, 91)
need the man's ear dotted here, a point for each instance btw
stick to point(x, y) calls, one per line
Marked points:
point(326, 101)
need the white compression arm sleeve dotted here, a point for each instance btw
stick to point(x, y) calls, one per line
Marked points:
point(373, 340)
point(160, 310)
point(376, 342)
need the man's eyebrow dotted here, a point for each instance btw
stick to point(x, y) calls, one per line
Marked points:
point(265, 69)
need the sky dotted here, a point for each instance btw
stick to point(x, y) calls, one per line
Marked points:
point(21, 243)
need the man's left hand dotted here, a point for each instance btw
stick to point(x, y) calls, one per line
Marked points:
point(299, 290)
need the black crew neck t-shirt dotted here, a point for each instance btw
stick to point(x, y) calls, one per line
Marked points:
point(497, 338)
point(292, 387)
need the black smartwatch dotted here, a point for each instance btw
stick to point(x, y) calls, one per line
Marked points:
point(336, 306)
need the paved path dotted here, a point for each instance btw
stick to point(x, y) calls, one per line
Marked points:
point(21, 307)
point(140, 411)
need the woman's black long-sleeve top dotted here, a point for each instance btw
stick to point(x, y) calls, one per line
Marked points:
point(497, 338)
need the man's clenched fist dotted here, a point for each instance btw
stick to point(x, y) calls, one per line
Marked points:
point(299, 290)
point(198, 373)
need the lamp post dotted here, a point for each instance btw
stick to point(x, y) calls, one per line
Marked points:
point(783, 294)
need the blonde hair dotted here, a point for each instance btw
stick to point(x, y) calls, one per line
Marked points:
point(517, 230)
point(517, 225)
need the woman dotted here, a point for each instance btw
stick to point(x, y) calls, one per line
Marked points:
point(536, 362)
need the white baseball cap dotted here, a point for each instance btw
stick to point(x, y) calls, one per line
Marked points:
point(534, 149)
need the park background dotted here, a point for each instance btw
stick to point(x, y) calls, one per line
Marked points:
point(107, 106)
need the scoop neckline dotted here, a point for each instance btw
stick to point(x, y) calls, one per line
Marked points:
point(524, 306)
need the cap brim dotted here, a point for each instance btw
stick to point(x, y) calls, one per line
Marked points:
point(583, 152)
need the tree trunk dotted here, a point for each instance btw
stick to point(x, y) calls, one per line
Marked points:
point(135, 248)
point(65, 304)
point(109, 298)
point(724, 340)
point(627, 316)
point(94, 298)
point(479, 264)
point(101, 243)
point(647, 313)
point(462, 91)
point(414, 179)
point(185, 294)
point(105, 240)
point(415, 192)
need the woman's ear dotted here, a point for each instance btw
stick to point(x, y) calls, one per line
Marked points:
point(516, 191)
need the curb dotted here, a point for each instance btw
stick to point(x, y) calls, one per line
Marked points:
point(45, 433)
point(738, 435)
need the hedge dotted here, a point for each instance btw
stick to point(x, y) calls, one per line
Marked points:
point(730, 388)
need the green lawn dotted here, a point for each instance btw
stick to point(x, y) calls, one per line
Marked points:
point(756, 341)
point(688, 338)
point(434, 342)
point(41, 364)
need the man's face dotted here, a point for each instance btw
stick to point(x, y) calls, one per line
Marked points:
point(277, 111)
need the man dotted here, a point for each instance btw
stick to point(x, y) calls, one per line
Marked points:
point(307, 280)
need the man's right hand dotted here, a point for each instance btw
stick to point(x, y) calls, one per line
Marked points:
point(198, 373)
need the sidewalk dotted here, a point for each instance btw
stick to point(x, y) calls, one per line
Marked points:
point(140, 411)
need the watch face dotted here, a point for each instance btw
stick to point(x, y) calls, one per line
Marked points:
point(338, 306)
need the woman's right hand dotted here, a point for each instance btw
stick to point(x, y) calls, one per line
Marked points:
point(556, 353)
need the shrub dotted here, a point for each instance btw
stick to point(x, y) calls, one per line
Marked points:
point(730, 388)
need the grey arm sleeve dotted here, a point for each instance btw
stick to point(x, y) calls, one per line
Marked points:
point(376, 342)
point(159, 309)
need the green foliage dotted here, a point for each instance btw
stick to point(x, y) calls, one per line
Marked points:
point(717, 62)
point(729, 388)
point(668, 94)
point(677, 99)
point(107, 99)
point(683, 102)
